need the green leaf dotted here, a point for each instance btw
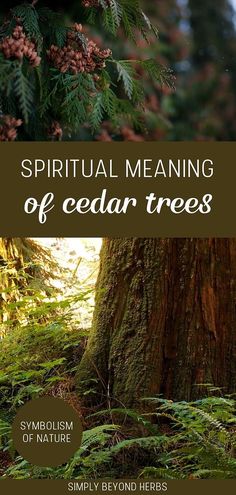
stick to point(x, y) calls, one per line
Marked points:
point(29, 18)
point(52, 364)
point(97, 112)
point(7, 69)
point(126, 74)
point(110, 103)
point(24, 92)
point(158, 73)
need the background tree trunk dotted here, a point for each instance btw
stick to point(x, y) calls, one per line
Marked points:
point(213, 33)
point(164, 322)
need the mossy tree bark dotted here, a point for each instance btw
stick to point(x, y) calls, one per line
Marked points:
point(164, 321)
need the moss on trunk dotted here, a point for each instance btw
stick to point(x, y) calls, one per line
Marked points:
point(164, 320)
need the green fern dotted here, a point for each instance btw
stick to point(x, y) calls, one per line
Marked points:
point(160, 473)
point(200, 445)
point(149, 442)
point(77, 90)
point(125, 13)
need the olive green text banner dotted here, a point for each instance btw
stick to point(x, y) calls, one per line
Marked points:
point(118, 487)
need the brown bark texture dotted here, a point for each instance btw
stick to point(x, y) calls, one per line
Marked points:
point(164, 321)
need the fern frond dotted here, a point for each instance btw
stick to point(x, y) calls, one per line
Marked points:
point(212, 474)
point(97, 435)
point(130, 413)
point(75, 104)
point(95, 438)
point(110, 103)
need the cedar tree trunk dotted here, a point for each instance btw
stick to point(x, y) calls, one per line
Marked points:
point(164, 321)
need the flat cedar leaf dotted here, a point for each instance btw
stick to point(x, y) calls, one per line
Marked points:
point(116, 12)
point(126, 74)
point(97, 112)
point(7, 69)
point(110, 103)
point(54, 379)
point(158, 73)
point(24, 92)
point(29, 18)
point(150, 26)
point(103, 4)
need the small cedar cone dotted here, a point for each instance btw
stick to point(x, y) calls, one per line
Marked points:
point(75, 58)
point(19, 46)
point(104, 136)
point(129, 135)
point(55, 131)
point(8, 127)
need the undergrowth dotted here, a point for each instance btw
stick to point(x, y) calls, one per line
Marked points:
point(179, 440)
point(176, 440)
point(51, 98)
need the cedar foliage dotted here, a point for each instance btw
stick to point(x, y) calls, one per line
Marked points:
point(197, 40)
point(50, 98)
